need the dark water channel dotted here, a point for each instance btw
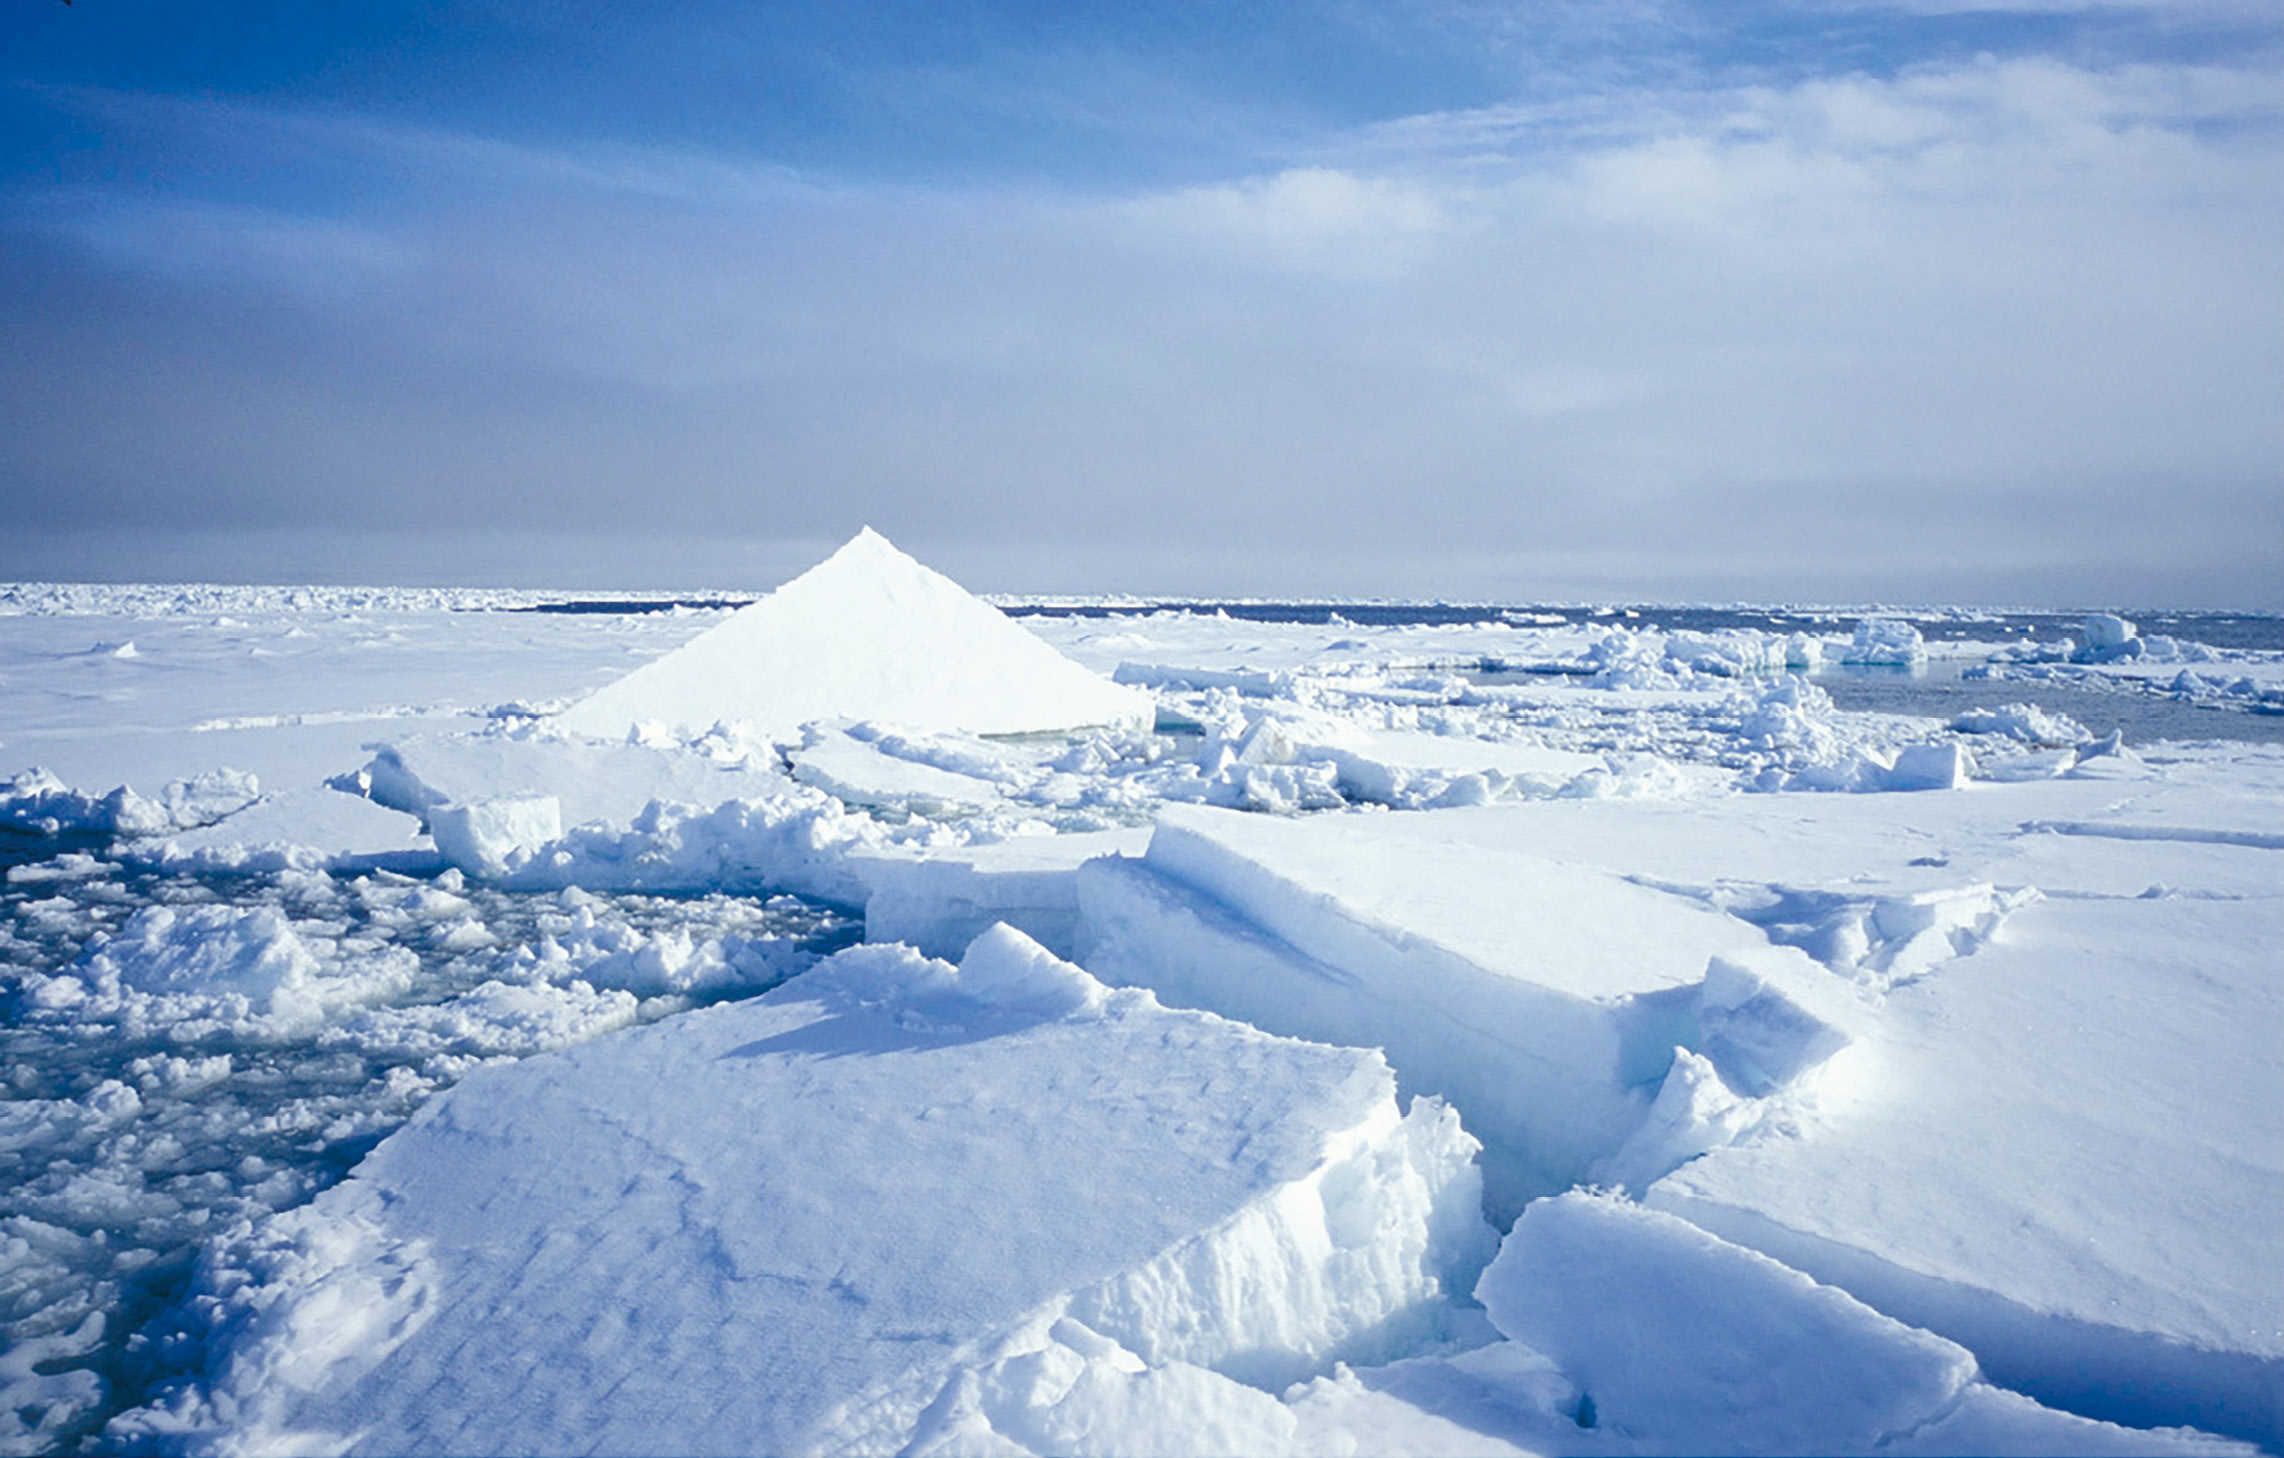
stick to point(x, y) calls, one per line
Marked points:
point(1939, 692)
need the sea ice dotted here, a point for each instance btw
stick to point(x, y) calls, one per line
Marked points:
point(491, 838)
point(2024, 722)
point(1545, 998)
point(2110, 637)
point(34, 802)
point(940, 900)
point(859, 772)
point(1885, 643)
point(607, 784)
point(299, 830)
point(202, 973)
point(1677, 1341)
point(1930, 767)
point(871, 1210)
point(1992, 1061)
point(2006, 1156)
point(2066, 1158)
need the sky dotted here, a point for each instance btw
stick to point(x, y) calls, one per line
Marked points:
point(1642, 300)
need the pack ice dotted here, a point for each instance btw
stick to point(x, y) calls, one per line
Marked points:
point(1897, 1115)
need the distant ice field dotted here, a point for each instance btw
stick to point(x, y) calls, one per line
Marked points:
point(2140, 713)
point(2219, 629)
point(2141, 708)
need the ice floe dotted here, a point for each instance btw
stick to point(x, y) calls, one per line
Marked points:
point(920, 1205)
point(1544, 997)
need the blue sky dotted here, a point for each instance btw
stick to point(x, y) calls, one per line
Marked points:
point(1930, 301)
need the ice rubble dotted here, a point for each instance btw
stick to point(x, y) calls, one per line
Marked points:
point(1993, 1149)
point(165, 1078)
point(2026, 723)
point(866, 634)
point(2112, 639)
point(199, 973)
point(1075, 1205)
point(35, 802)
point(1544, 997)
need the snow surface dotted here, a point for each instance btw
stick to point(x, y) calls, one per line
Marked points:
point(1891, 1097)
point(866, 634)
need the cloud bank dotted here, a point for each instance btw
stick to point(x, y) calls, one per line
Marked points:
point(1995, 330)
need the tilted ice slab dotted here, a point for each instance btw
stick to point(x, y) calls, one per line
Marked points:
point(310, 829)
point(939, 900)
point(854, 1212)
point(591, 783)
point(2055, 1143)
point(1632, 1332)
point(1544, 997)
point(2067, 1156)
point(2063, 1115)
point(866, 634)
point(860, 773)
point(1690, 1343)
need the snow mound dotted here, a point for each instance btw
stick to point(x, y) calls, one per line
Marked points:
point(866, 634)
point(1056, 1180)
